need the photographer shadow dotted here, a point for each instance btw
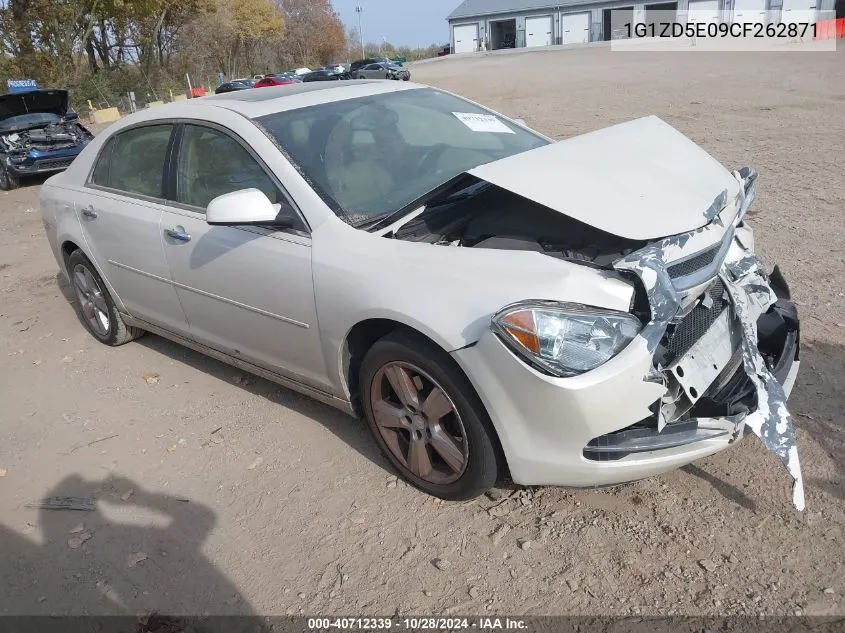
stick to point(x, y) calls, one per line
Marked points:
point(134, 554)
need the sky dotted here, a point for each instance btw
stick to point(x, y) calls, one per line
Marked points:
point(403, 22)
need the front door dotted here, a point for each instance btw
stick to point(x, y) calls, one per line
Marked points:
point(247, 291)
point(120, 211)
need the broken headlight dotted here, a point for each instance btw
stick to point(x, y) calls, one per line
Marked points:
point(565, 339)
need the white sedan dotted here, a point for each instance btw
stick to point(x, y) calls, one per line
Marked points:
point(579, 313)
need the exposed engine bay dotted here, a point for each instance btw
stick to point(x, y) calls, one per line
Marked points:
point(481, 215)
point(723, 334)
point(51, 135)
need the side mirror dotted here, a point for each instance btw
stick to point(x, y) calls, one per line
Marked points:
point(246, 206)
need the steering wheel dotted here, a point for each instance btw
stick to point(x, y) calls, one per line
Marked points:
point(428, 161)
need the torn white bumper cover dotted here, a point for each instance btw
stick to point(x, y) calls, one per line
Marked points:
point(751, 295)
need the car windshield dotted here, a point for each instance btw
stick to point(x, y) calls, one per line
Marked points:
point(371, 157)
point(24, 121)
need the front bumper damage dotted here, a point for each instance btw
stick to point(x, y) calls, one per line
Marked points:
point(756, 302)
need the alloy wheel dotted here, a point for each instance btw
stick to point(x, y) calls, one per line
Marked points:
point(419, 423)
point(91, 299)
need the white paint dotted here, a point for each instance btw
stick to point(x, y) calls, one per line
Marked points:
point(749, 12)
point(538, 31)
point(576, 28)
point(641, 180)
point(466, 38)
point(798, 11)
point(483, 123)
point(789, 383)
point(703, 12)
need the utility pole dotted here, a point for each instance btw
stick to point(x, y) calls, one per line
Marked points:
point(358, 10)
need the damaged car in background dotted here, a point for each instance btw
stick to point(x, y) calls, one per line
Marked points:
point(38, 135)
point(576, 313)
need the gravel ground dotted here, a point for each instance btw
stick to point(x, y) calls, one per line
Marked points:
point(219, 492)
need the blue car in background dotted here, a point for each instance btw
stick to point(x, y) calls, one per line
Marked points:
point(38, 135)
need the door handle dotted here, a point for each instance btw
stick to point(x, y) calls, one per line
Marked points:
point(89, 212)
point(178, 234)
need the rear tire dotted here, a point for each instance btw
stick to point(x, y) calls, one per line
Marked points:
point(94, 305)
point(8, 181)
point(433, 429)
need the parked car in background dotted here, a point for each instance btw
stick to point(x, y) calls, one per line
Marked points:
point(301, 71)
point(38, 135)
point(325, 75)
point(232, 86)
point(473, 289)
point(382, 70)
point(446, 50)
point(257, 77)
point(281, 79)
point(366, 62)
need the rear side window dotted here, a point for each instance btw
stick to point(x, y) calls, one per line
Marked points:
point(133, 161)
point(100, 175)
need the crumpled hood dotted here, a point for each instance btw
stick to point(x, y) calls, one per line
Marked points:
point(52, 101)
point(639, 180)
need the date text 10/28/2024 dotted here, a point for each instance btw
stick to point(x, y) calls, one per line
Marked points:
point(721, 29)
point(416, 624)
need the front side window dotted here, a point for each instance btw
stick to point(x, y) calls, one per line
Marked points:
point(136, 161)
point(212, 163)
point(372, 156)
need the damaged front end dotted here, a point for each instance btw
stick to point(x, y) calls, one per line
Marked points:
point(38, 134)
point(724, 337)
point(716, 344)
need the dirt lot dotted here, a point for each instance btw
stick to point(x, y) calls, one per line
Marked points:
point(288, 507)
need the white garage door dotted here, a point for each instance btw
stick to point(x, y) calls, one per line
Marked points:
point(576, 28)
point(749, 11)
point(703, 11)
point(798, 11)
point(538, 31)
point(466, 38)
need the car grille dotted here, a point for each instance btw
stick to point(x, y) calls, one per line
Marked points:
point(694, 264)
point(681, 337)
point(53, 163)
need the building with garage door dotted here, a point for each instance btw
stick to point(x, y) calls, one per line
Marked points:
point(496, 24)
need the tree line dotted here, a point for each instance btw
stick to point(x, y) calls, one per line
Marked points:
point(101, 49)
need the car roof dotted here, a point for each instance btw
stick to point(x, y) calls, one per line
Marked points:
point(262, 101)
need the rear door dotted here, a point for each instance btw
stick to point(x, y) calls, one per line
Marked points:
point(247, 291)
point(374, 71)
point(120, 210)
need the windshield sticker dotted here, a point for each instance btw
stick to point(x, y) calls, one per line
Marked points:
point(483, 123)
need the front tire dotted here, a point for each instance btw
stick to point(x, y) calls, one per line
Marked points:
point(427, 419)
point(8, 181)
point(95, 307)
